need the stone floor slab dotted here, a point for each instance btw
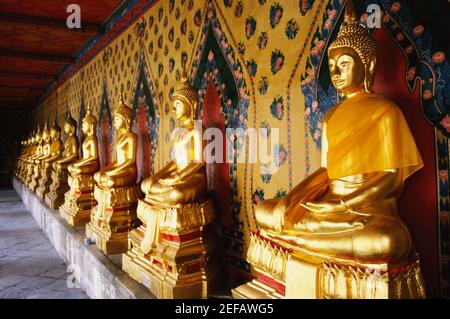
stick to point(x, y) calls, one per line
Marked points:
point(30, 267)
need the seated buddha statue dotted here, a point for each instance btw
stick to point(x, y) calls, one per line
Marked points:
point(168, 250)
point(116, 191)
point(89, 163)
point(32, 151)
point(45, 153)
point(21, 160)
point(56, 148)
point(70, 153)
point(35, 152)
point(123, 171)
point(182, 180)
point(59, 185)
point(346, 212)
point(79, 200)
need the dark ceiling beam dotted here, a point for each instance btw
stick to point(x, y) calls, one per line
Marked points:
point(16, 89)
point(38, 76)
point(87, 28)
point(36, 56)
point(24, 87)
point(15, 104)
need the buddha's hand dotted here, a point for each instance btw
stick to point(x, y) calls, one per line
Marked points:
point(170, 180)
point(146, 185)
point(331, 206)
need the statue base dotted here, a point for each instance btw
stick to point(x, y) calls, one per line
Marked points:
point(44, 183)
point(59, 186)
point(79, 200)
point(181, 263)
point(285, 273)
point(34, 180)
point(113, 217)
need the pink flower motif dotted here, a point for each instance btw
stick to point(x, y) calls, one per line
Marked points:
point(307, 111)
point(282, 157)
point(314, 51)
point(328, 24)
point(409, 49)
point(411, 73)
point(320, 44)
point(400, 37)
point(438, 57)
point(396, 6)
point(418, 30)
point(256, 199)
point(310, 71)
point(319, 125)
point(316, 135)
point(363, 18)
point(331, 13)
point(315, 106)
point(427, 95)
point(210, 56)
point(443, 174)
point(445, 122)
point(279, 62)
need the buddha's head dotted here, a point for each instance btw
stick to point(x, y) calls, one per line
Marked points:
point(55, 131)
point(46, 134)
point(123, 115)
point(352, 56)
point(89, 124)
point(185, 100)
point(70, 125)
point(38, 135)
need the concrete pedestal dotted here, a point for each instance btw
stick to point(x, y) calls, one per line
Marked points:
point(100, 276)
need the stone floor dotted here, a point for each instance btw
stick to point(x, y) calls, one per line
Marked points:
point(29, 265)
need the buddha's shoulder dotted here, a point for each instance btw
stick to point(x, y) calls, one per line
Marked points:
point(382, 107)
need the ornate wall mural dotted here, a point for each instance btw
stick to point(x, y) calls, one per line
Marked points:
point(264, 59)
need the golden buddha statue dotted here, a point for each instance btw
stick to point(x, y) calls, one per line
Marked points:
point(45, 153)
point(338, 233)
point(56, 149)
point(175, 215)
point(21, 160)
point(59, 186)
point(36, 151)
point(116, 190)
point(31, 149)
point(79, 200)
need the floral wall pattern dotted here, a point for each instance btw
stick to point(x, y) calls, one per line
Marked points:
point(264, 58)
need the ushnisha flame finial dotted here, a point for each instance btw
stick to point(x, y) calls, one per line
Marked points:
point(89, 117)
point(187, 93)
point(123, 109)
point(354, 35)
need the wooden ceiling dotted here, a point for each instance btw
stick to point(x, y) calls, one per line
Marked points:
point(36, 44)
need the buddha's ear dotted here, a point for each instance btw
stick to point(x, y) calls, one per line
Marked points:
point(369, 76)
point(372, 65)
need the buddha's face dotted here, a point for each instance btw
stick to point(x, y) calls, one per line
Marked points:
point(54, 133)
point(181, 109)
point(119, 122)
point(68, 129)
point(86, 127)
point(46, 136)
point(346, 70)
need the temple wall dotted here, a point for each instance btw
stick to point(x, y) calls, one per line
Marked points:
point(261, 55)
